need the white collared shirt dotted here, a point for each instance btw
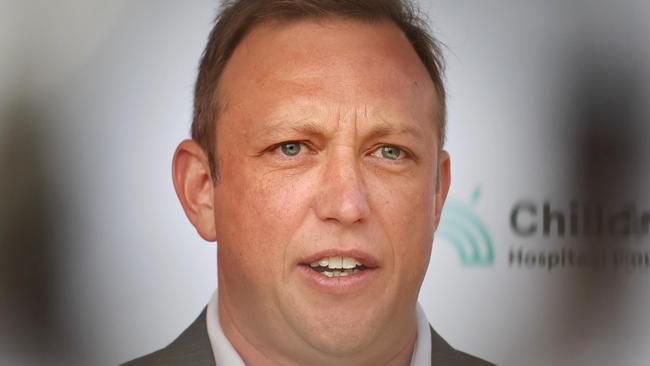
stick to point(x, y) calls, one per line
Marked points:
point(226, 355)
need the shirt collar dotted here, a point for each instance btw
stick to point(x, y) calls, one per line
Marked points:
point(226, 355)
point(422, 350)
point(224, 352)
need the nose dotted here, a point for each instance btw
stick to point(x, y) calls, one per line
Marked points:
point(342, 195)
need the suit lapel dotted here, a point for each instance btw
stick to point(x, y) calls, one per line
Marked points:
point(441, 352)
point(191, 348)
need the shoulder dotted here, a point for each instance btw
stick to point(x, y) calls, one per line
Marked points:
point(444, 354)
point(191, 348)
point(469, 360)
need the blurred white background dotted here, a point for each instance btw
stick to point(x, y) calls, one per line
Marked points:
point(548, 100)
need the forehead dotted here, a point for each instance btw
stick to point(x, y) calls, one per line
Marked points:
point(347, 62)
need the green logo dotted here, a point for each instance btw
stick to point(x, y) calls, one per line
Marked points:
point(464, 229)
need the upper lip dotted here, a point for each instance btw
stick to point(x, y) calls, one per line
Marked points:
point(366, 259)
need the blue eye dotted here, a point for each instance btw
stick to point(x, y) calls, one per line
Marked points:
point(290, 148)
point(391, 152)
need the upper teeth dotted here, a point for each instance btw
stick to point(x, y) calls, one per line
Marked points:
point(336, 263)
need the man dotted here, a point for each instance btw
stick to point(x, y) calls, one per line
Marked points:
point(316, 163)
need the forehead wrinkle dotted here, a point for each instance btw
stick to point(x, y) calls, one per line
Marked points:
point(378, 126)
point(301, 126)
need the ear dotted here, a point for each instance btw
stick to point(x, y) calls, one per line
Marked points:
point(194, 187)
point(442, 184)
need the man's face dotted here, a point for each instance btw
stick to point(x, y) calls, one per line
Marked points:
point(327, 146)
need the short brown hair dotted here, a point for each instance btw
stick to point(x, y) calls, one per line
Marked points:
point(238, 17)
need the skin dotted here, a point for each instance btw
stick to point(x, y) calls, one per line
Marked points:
point(341, 90)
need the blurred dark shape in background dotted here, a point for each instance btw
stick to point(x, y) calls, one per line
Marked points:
point(609, 102)
point(30, 331)
point(607, 141)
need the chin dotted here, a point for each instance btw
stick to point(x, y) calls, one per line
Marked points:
point(341, 329)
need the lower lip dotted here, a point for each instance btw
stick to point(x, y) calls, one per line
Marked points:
point(337, 285)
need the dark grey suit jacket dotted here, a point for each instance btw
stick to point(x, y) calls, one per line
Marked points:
point(192, 348)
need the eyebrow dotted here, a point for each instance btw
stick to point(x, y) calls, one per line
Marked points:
point(385, 128)
point(311, 128)
point(307, 127)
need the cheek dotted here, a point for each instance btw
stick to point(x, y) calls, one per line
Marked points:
point(257, 214)
point(405, 207)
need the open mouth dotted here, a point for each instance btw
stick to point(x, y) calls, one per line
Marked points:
point(337, 266)
point(340, 272)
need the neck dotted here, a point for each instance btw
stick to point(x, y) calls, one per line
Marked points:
point(255, 352)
